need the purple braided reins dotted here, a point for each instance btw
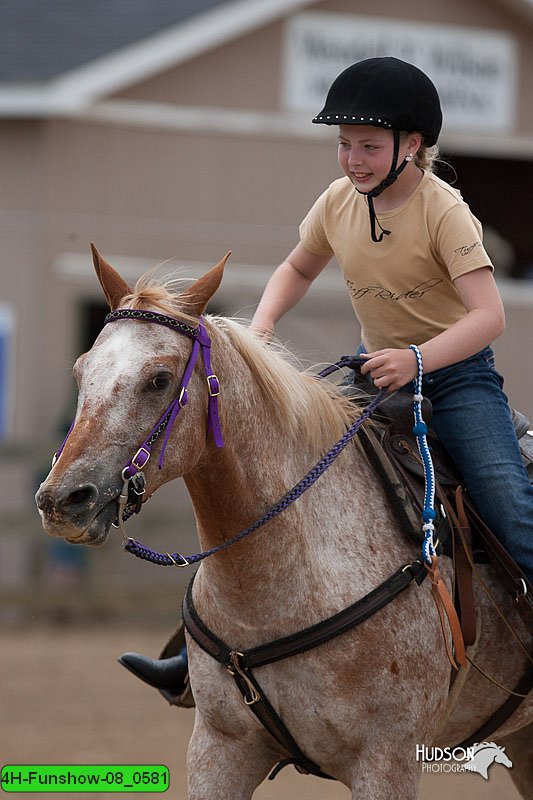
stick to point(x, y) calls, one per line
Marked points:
point(178, 560)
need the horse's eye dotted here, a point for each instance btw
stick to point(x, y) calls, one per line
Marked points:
point(160, 382)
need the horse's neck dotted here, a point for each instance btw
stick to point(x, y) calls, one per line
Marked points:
point(260, 460)
point(233, 486)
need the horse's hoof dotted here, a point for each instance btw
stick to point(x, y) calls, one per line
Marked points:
point(162, 673)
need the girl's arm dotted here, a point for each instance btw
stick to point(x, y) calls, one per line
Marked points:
point(483, 323)
point(286, 287)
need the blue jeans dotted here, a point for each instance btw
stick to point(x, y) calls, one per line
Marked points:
point(472, 418)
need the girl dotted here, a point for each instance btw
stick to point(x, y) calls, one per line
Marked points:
point(414, 263)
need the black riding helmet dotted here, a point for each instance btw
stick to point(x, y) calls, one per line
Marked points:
point(387, 93)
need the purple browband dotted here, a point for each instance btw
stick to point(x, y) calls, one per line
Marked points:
point(201, 342)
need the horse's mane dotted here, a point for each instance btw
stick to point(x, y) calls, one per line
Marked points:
point(304, 403)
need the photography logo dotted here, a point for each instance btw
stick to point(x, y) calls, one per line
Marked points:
point(477, 758)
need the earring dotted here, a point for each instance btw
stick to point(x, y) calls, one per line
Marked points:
point(409, 157)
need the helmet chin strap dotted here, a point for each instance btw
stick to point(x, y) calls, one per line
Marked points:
point(388, 181)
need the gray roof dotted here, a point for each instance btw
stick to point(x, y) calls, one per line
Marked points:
point(41, 39)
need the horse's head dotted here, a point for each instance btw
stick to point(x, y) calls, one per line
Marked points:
point(125, 382)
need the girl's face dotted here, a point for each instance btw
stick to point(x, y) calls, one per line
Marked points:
point(365, 153)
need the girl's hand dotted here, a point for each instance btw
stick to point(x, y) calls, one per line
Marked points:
point(390, 368)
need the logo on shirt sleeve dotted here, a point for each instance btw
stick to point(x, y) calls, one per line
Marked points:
point(466, 249)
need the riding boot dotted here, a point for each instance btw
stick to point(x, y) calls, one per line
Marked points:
point(169, 675)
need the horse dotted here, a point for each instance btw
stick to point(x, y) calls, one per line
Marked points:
point(357, 705)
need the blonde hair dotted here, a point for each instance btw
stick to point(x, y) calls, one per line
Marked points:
point(426, 157)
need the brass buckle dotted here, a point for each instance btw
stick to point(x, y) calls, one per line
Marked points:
point(233, 666)
point(137, 454)
point(209, 389)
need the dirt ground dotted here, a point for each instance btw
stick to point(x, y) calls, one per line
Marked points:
point(65, 700)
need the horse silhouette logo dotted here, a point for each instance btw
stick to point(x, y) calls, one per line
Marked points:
point(483, 755)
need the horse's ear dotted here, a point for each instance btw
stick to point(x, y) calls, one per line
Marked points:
point(198, 295)
point(115, 287)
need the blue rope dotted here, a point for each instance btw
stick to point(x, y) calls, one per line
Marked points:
point(420, 430)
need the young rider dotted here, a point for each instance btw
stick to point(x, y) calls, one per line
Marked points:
point(414, 264)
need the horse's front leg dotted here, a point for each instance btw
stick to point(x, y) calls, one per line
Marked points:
point(221, 767)
point(385, 771)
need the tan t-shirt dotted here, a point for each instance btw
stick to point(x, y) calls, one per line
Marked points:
point(402, 288)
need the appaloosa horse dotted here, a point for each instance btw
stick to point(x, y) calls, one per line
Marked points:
point(357, 705)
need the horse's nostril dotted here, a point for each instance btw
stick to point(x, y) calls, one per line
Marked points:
point(44, 502)
point(83, 495)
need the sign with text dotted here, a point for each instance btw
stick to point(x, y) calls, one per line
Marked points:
point(473, 69)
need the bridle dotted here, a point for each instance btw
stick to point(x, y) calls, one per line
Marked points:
point(201, 344)
point(130, 498)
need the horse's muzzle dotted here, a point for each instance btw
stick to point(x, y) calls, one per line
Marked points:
point(81, 513)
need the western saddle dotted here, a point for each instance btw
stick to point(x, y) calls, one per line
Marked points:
point(391, 448)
